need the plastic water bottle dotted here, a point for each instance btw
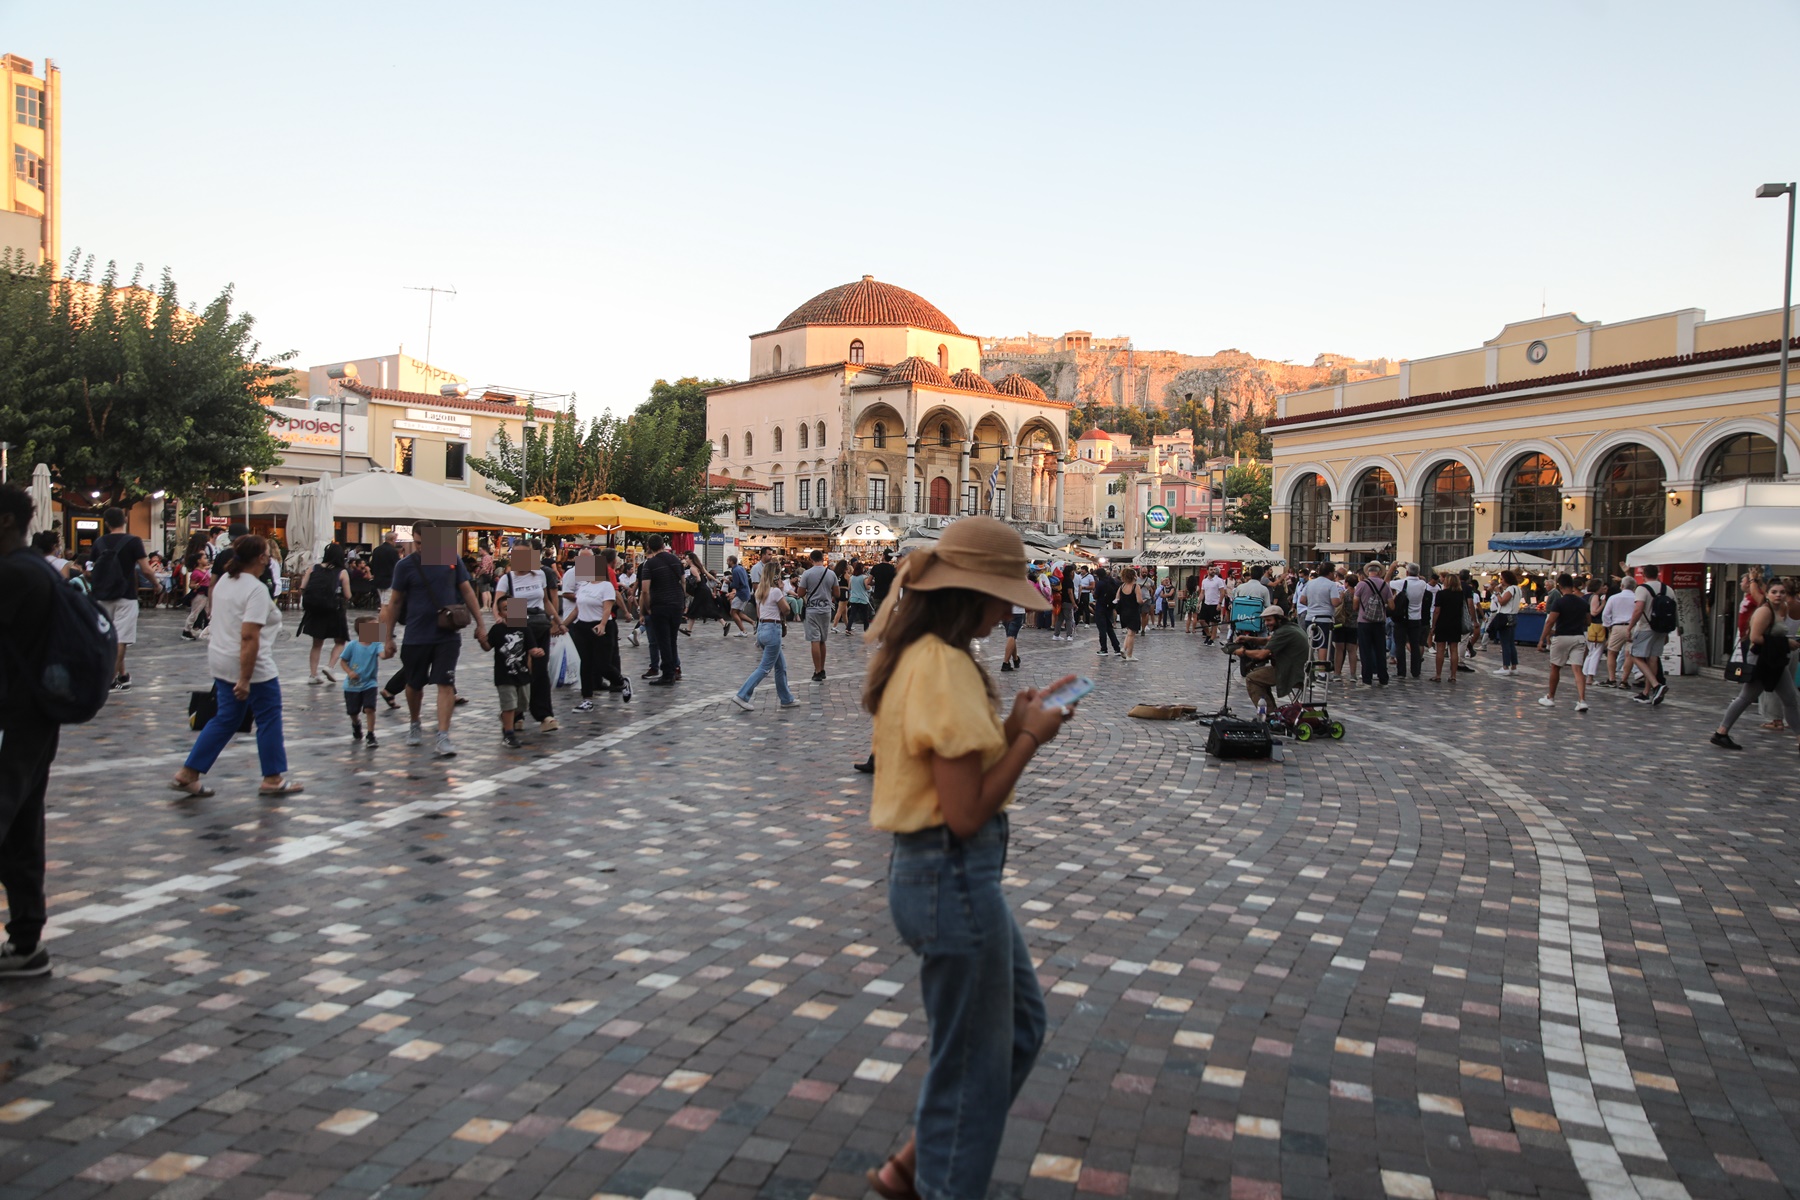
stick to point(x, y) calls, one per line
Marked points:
point(1262, 710)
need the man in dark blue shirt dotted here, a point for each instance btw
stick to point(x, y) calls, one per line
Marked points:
point(430, 580)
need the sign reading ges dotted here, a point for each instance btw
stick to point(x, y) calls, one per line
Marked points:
point(304, 429)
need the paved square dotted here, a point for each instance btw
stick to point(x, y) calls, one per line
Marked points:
point(1476, 948)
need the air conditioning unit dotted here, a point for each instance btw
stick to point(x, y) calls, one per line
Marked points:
point(936, 522)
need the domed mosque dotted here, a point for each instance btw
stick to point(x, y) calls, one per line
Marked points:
point(866, 407)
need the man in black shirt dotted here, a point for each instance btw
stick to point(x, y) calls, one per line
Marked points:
point(381, 565)
point(1106, 589)
point(29, 743)
point(1566, 621)
point(662, 588)
point(881, 578)
point(116, 557)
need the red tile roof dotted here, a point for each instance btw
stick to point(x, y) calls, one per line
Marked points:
point(917, 370)
point(969, 381)
point(1723, 354)
point(434, 400)
point(742, 485)
point(867, 302)
point(1017, 385)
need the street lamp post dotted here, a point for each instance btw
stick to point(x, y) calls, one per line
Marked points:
point(1770, 191)
point(341, 372)
point(247, 473)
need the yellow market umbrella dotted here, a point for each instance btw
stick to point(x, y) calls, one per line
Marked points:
point(606, 514)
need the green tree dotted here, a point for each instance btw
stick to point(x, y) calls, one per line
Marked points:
point(1248, 487)
point(123, 392)
point(686, 397)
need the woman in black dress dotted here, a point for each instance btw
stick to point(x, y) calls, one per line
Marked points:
point(1449, 608)
point(324, 594)
point(701, 606)
point(1129, 603)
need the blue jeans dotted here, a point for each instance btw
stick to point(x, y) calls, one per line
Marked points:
point(982, 1001)
point(1371, 641)
point(265, 703)
point(1509, 650)
point(768, 636)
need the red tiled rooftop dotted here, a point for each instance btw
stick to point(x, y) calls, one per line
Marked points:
point(917, 370)
point(868, 302)
point(969, 381)
point(435, 400)
point(1017, 385)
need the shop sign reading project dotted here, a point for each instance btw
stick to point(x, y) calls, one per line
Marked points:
point(305, 429)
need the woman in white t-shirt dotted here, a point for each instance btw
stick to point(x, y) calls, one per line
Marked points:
point(241, 657)
point(594, 628)
point(771, 625)
point(1505, 600)
point(528, 583)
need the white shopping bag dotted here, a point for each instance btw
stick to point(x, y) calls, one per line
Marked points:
point(565, 665)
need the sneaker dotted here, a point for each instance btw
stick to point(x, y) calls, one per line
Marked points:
point(415, 734)
point(1721, 740)
point(662, 682)
point(314, 680)
point(634, 640)
point(1101, 653)
point(1581, 706)
point(14, 965)
point(585, 706)
point(867, 766)
point(370, 741)
point(444, 748)
point(1641, 699)
point(651, 675)
point(122, 683)
point(818, 677)
point(625, 693)
point(548, 725)
point(790, 704)
point(740, 633)
point(1546, 701)
point(329, 677)
point(1659, 693)
point(1500, 671)
point(189, 635)
point(510, 739)
point(742, 703)
point(356, 732)
point(1005, 665)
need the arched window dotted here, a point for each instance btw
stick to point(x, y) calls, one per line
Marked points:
point(944, 434)
point(1446, 516)
point(778, 360)
point(856, 351)
point(879, 440)
point(778, 439)
point(819, 439)
point(724, 445)
point(1373, 516)
point(940, 496)
point(749, 444)
point(1532, 499)
point(943, 358)
point(1112, 512)
point(1309, 518)
point(1628, 504)
point(803, 432)
point(823, 489)
point(1746, 456)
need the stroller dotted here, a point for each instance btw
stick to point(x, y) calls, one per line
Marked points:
point(1305, 714)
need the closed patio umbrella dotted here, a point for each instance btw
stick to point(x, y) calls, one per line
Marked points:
point(42, 517)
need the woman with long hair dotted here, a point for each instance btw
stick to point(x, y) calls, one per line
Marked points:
point(1130, 605)
point(1065, 604)
point(1449, 612)
point(1505, 620)
point(949, 765)
point(1769, 660)
point(324, 595)
point(771, 627)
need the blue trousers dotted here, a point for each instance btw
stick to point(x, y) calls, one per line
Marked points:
point(982, 1001)
point(768, 636)
point(265, 704)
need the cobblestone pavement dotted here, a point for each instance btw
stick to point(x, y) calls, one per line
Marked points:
point(1476, 948)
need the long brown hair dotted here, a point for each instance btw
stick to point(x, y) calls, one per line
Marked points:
point(245, 551)
point(953, 614)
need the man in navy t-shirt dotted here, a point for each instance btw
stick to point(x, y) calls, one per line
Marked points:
point(430, 579)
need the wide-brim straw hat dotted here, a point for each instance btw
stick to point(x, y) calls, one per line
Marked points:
point(977, 553)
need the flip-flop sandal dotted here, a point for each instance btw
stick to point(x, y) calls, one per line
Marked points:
point(1774, 726)
point(285, 789)
point(197, 790)
point(881, 1187)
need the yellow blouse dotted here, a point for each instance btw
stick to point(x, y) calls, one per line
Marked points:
point(935, 703)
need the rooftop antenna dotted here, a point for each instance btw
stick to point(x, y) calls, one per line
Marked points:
point(1544, 302)
point(430, 312)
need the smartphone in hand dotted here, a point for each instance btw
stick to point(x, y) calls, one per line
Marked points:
point(1068, 694)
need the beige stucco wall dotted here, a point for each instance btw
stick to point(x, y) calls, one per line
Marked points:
point(428, 444)
point(1744, 330)
point(1635, 341)
point(1446, 373)
point(817, 345)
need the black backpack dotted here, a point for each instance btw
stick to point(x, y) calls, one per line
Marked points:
point(322, 589)
point(80, 653)
point(112, 578)
point(1664, 614)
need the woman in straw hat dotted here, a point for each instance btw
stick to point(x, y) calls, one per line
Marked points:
point(948, 768)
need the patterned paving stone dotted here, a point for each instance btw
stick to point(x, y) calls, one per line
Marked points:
point(1477, 948)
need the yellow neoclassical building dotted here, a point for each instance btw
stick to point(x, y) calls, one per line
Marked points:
point(1556, 423)
point(31, 208)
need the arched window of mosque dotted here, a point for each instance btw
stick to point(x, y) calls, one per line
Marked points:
point(944, 434)
point(749, 445)
point(778, 359)
point(943, 358)
point(724, 445)
point(803, 435)
point(856, 351)
point(819, 436)
point(879, 440)
point(778, 439)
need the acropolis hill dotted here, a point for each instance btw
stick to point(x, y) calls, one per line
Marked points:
point(1083, 369)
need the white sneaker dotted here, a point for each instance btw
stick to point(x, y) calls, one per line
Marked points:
point(1546, 701)
point(742, 703)
point(740, 633)
point(1104, 653)
point(415, 734)
point(444, 748)
point(1500, 671)
point(1581, 706)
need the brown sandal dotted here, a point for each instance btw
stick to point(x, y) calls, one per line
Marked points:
point(880, 1186)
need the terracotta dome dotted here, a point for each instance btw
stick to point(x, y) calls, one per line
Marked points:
point(867, 302)
point(1017, 385)
point(917, 370)
point(969, 381)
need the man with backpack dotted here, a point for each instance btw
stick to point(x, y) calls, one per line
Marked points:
point(114, 582)
point(1373, 597)
point(31, 634)
point(1653, 618)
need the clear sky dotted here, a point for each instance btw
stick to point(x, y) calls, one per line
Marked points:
point(625, 192)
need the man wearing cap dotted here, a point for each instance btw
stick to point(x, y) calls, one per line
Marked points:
point(1283, 657)
point(1373, 599)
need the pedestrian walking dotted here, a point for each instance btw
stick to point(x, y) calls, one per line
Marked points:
point(1065, 604)
point(949, 767)
point(1450, 610)
point(861, 605)
point(594, 628)
point(361, 663)
point(662, 587)
point(1505, 623)
point(28, 739)
point(1565, 637)
point(1653, 618)
point(1106, 591)
point(382, 561)
point(324, 595)
point(818, 587)
point(113, 581)
point(1373, 597)
point(1768, 659)
point(434, 599)
point(743, 609)
point(1129, 603)
point(241, 658)
point(531, 583)
point(771, 628)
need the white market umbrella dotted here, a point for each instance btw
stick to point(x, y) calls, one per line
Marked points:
point(1496, 560)
point(398, 499)
point(1200, 549)
point(42, 517)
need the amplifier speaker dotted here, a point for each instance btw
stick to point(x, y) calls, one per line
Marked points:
point(1239, 739)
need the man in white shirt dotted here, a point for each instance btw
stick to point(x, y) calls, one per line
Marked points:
point(1213, 592)
point(1315, 600)
point(1084, 595)
point(1647, 643)
point(1616, 616)
point(1412, 619)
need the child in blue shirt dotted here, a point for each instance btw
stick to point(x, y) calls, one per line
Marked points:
point(361, 661)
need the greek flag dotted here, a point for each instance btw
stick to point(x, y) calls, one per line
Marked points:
point(993, 486)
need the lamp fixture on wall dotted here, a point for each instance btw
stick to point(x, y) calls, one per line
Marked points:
point(1568, 502)
point(1674, 499)
point(1481, 508)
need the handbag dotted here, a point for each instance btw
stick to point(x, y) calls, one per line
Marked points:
point(450, 616)
point(1596, 632)
point(204, 706)
point(1738, 666)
